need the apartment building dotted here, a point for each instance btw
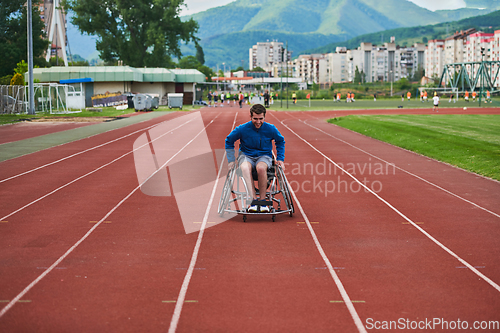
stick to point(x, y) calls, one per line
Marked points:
point(334, 67)
point(462, 47)
point(455, 46)
point(267, 55)
point(434, 58)
point(479, 47)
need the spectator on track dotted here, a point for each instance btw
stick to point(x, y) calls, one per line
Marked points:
point(256, 144)
point(266, 98)
point(209, 97)
point(435, 100)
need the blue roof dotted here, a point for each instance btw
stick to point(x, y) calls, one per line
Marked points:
point(86, 79)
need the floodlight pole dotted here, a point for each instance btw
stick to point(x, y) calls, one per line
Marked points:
point(31, 93)
point(286, 59)
point(482, 75)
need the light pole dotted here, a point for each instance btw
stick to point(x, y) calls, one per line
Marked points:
point(31, 89)
point(224, 75)
point(392, 79)
point(482, 75)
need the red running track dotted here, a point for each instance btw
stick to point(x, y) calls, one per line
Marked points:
point(96, 254)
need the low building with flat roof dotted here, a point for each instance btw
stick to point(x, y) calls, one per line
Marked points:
point(125, 79)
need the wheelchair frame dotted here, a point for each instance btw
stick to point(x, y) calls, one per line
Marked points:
point(239, 196)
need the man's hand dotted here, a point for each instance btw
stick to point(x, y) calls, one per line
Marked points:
point(281, 164)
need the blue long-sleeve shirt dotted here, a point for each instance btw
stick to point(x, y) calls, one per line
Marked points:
point(256, 142)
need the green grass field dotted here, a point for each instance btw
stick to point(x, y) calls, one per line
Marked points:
point(471, 142)
point(106, 112)
point(318, 105)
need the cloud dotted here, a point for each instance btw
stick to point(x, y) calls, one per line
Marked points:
point(441, 4)
point(195, 6)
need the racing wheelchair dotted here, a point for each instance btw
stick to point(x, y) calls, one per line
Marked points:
point(235, 197)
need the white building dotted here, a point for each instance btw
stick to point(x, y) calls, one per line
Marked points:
point(434, 58)
point(267, 55)
point(455, 46)
point(463, 47)
point(477, 42)
point(375, 63)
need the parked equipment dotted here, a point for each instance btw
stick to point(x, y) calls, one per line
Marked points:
point(142, 102)
point(175, 100)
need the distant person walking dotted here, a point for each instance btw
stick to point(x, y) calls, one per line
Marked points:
point(294, 97)
point(435, 100)
point(266, 99)
point(241, 98)
point(209, 97)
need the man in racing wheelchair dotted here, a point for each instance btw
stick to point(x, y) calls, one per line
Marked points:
point(256, 144)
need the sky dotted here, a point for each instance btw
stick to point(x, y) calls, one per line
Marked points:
point(195, 6)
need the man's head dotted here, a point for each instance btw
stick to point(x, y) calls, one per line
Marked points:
point(257, 115)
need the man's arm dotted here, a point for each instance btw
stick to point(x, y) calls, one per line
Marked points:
point(279, 141)
point(229, 145)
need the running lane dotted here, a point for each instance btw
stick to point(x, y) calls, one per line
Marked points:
point(400, 261)
point(119, 275)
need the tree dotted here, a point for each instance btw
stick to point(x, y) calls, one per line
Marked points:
point(189, 62)
point(357, 75)
point(139, 32)
point(14, 35)
point(258, 69)
point(200, 55)
point(207, 71)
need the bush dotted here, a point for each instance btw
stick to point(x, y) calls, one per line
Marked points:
point(17, 80)
point(5, 80)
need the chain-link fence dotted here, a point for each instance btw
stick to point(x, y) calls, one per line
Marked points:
point(13, 99)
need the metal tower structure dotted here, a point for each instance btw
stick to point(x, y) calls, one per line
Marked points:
point(472, 76)
point(55, 23)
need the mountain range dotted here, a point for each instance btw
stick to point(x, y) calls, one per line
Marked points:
point(227, 32)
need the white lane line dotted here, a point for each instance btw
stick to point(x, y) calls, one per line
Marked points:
point(71, 249)
point(187, 278)
point(331, 269)
point(472, 268)
point(87, 174)
point(76, 154)
point(411, 174)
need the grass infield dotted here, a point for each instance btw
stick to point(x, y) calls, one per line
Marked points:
point(394, 103)
point(105, 113)
point(471, 142)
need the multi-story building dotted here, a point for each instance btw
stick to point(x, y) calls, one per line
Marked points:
point(434, 58)
point(307, 67)
point(463, 47)
point(479, 47)
point(455, 46)
point(495, 49)
point(268, 55)
point(333, 67)
point(374, 63)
